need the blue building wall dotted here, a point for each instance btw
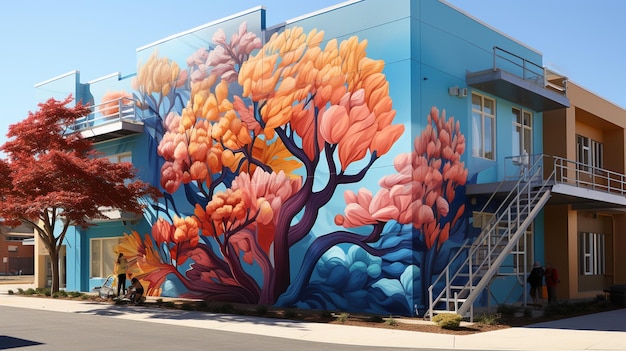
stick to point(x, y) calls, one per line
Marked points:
point(382, 266)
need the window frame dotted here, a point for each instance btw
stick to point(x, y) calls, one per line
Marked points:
point(589, 154)
point(106, 262)
point(484, 116)
point(121, 157)
point(592, 253)
point(519, 121)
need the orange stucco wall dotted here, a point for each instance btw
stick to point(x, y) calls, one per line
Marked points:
point(602, 121)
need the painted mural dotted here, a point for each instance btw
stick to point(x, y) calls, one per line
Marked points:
point(263, 152)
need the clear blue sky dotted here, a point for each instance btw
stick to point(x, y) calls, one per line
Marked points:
point(585, 40)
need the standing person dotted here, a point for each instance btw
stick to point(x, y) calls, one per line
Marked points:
point(535, 279)
point(552, 279)
point(121, 268)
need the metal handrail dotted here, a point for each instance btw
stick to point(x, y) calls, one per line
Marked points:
point(586, 176)
point(529, 172)
point(484, 239)
point(116, 110)
point(530, 71)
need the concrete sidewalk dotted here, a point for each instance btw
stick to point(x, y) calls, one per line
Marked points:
point(602, 331)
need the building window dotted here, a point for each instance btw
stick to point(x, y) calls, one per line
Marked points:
point(522, 132)
point(102, 256)
point(592, 254)
point(589, 153)
point(483, 127)
point(119, 158)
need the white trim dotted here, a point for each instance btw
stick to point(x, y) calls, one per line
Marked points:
point(118, 74)
point(57, 78)
point(491, 27)
point(326, 9)
point(224, 19)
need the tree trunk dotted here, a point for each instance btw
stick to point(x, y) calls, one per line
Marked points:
point(54, 268)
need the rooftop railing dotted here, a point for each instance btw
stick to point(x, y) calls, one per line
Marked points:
point(112, 111)
point(528, 71)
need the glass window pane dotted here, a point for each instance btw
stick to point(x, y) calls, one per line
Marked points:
point(476, 102)
point(527, 143)
point(527, 119)
point(477, 135)
point(108, 256)
point(95, 258)
point(517, 118)
point(518, 144)
point(489, 140)
point(489, 107)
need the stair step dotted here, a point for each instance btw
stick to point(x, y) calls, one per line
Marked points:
point(459, 287)
point(440, 311)
point(451, 299)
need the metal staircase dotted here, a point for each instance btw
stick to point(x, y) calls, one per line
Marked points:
point(470, 271)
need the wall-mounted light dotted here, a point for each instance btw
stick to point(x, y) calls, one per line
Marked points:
point(456, 91)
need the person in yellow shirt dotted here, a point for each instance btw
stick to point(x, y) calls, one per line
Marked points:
point(121, 268)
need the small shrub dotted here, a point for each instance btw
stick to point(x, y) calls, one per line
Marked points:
point(448, 320)
point(203, 306)
point(84, 297)
point(557, 309)
point(261, 310)
point(342, 318)
point(159, 301)
point(226, 308)
point(391, 321)
point(10, 292)
point(187, 306)
point(30, 291)
point(43, 291)
point(488, 318)
point(326, 314)
point(169, 304)
point(290, 314)
point(528, 313)
point(507, 310)
point(375, 319)
point(20, 291)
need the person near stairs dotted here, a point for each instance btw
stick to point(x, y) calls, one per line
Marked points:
point(535, 279)
point(552, 279)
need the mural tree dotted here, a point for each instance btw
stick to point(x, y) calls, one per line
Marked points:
point(261, 146)
point(52, 179)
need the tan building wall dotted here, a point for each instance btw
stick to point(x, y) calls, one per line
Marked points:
point(600, 120)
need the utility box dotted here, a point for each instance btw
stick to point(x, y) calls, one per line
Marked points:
point(617, 295)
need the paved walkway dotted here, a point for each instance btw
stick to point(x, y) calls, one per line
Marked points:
point(602, 331)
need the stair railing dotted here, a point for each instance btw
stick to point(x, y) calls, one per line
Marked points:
point(485, 243)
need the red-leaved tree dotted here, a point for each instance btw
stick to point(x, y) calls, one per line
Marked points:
point(53, 179)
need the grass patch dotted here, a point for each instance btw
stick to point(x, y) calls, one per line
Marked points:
point(391, 321)
point(488, 318)
point(343, 317)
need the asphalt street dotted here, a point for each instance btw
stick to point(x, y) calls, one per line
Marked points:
point(30, 329)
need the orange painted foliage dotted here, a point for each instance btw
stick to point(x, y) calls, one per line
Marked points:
point(422, 190)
